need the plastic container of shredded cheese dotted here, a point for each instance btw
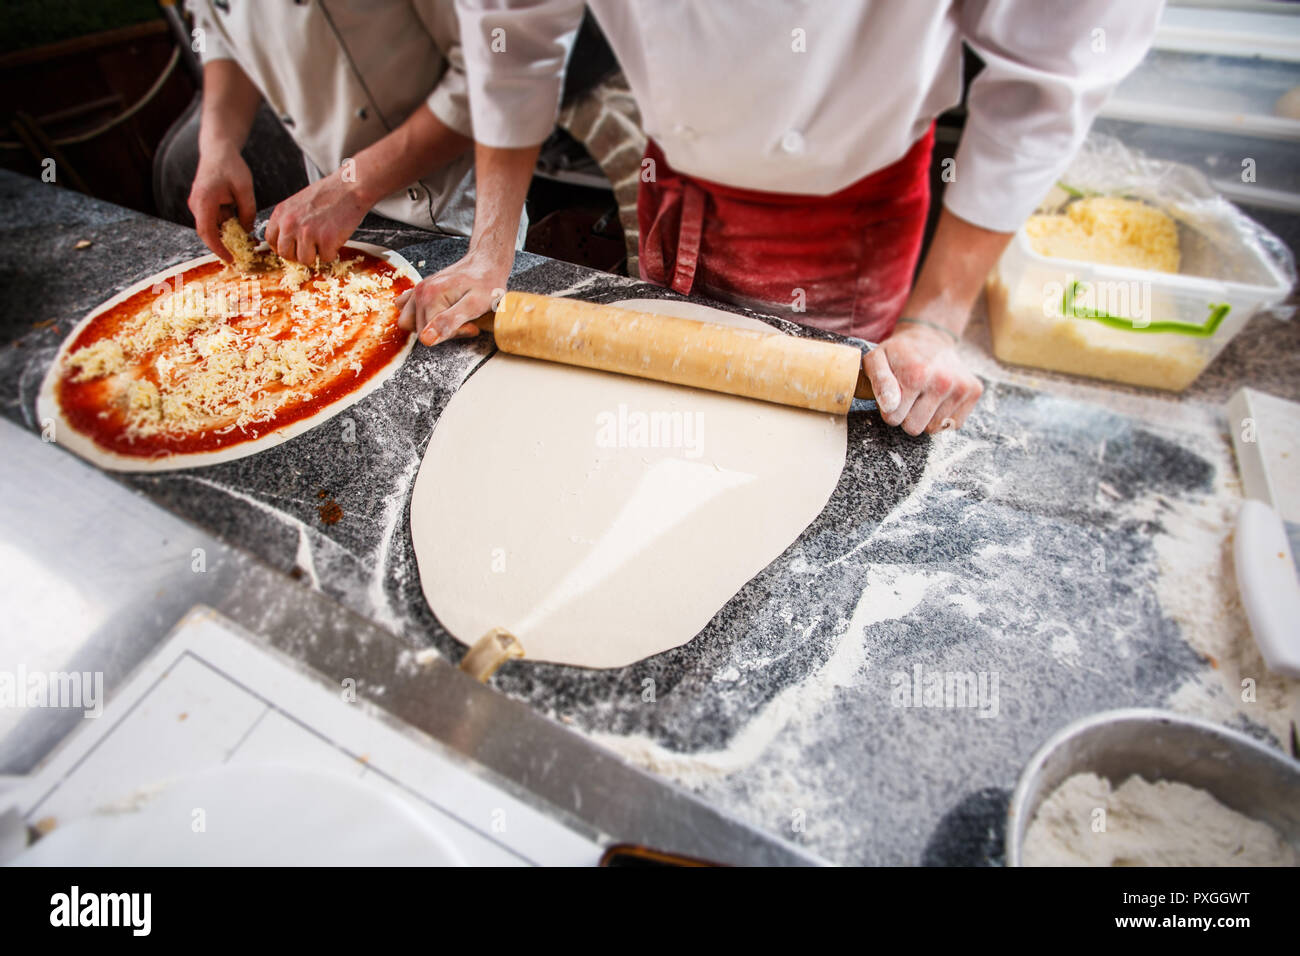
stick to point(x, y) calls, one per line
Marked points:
point(1133, 325)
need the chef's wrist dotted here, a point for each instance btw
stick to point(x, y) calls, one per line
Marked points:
point(360, 188)
point(943, 330)
point(489, 246)
point(943, 315)
point(220, 150)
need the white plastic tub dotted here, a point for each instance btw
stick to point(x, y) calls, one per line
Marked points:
point(1153, 329)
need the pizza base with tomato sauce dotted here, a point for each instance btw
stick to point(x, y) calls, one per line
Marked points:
point(203, 364)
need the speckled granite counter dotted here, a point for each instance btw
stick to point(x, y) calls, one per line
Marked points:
point(1064, 553)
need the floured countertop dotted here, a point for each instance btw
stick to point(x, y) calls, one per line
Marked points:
point(1062, 554)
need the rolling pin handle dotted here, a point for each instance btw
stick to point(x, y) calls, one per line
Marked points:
point(863, 389)
point(489, 652)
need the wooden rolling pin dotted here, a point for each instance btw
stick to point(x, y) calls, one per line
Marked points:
point(805, 373)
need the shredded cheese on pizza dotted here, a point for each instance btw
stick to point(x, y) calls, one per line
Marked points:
point(212, 355)
point(95, 361)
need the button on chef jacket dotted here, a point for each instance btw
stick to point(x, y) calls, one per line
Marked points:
point(342, 74)
point(809, 97)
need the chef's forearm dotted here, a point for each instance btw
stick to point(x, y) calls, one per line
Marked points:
point(959, 259)
point(230, 102)
point(501, 177)
point(415, 149)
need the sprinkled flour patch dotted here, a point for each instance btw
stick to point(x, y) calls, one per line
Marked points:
point(891, 593)
point(1196, 587)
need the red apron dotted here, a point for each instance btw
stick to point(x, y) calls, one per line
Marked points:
point(847, 258)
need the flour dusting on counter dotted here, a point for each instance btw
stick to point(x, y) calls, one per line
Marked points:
point(392, 510)
point(1197, 586)
point(889, 594)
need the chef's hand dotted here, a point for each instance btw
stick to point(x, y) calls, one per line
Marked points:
point(444, 305)
point(316, 221)
point(222, 182)
point(919, 380)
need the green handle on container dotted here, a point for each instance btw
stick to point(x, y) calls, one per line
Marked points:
point(1218, 312)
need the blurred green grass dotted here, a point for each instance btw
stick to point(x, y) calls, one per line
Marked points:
point(28, 23)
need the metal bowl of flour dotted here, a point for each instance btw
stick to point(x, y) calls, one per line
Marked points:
point(1237, 770)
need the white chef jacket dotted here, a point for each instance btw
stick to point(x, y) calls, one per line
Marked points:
point(809, 97)
point(342, 74)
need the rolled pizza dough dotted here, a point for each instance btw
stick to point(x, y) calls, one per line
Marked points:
point(602, 518)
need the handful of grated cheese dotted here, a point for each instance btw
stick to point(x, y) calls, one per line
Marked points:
point(246, 259)
point(240, 245)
